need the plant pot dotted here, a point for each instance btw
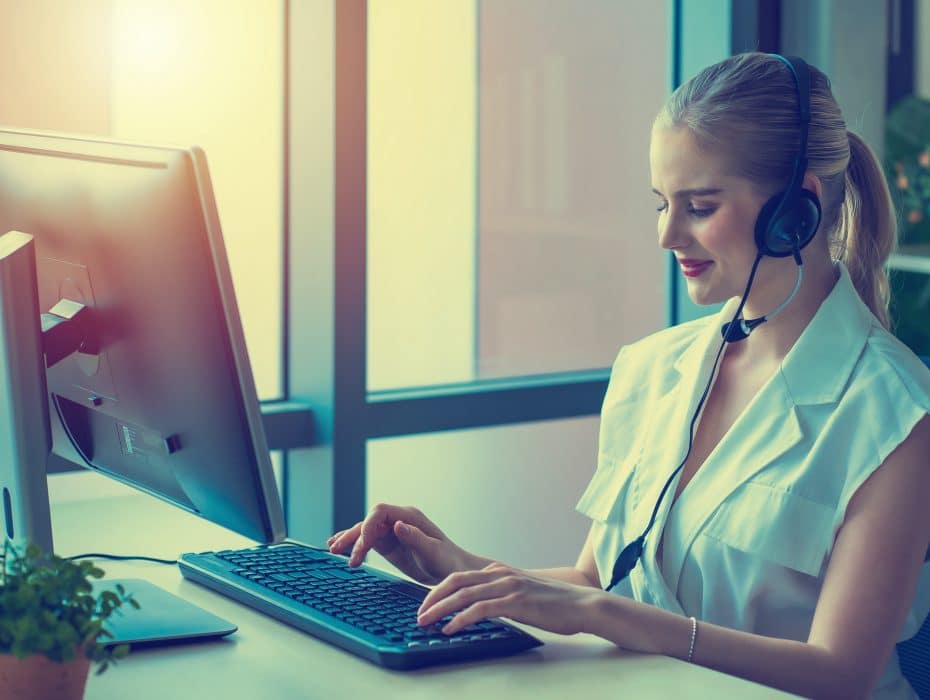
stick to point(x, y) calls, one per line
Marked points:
point(39, 677)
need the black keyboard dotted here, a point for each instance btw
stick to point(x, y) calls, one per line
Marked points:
point(362, 610)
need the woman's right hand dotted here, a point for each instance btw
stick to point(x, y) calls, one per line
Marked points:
point(407, 539)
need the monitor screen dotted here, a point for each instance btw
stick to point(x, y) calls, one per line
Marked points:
point(160, 395)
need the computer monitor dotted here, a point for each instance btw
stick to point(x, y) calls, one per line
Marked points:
point(150, 383)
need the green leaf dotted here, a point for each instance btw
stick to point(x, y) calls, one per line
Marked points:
point(47, 606)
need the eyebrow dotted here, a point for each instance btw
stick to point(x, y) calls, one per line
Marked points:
point(696, 192)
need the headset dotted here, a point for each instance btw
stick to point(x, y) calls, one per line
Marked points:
point(786, 223)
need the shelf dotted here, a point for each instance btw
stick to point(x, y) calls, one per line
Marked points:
point(911, 258)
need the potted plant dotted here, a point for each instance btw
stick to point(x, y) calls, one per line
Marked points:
point(907, 166)
point(51, 624)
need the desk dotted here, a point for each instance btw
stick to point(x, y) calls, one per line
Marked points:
point(268, 659)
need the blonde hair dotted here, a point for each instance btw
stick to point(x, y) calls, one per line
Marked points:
point(746, 108)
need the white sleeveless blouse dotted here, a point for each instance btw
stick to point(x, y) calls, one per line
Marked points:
point(747, 543)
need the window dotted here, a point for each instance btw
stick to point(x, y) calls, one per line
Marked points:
point(511, 229)
point(907, 164)
point(208, 72)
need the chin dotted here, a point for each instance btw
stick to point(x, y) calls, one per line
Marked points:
point(706, 297)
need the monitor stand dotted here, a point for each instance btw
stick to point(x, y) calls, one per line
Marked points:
point(31, 342)
point(176, 621)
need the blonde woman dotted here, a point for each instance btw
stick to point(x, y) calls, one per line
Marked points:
point(760, 504)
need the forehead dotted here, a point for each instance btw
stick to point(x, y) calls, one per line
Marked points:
point(678, 162)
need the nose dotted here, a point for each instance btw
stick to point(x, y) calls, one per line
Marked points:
point(672, 232)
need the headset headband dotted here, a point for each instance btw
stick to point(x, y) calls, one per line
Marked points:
point(802, 81)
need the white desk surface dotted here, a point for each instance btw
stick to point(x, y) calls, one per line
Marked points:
point(268, 659)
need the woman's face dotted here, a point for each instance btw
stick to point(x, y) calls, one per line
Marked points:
point(706, 217)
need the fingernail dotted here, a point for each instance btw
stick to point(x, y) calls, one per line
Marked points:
point(405, 528)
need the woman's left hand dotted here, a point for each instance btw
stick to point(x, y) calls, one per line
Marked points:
point(502, 591)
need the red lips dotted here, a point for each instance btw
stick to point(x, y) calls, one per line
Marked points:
point(693, 268)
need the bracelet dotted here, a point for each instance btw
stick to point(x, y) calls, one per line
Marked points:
point(693, 638)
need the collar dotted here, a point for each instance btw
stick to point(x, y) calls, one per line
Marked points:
point(818, 365)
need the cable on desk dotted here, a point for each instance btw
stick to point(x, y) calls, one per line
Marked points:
point(119, 557)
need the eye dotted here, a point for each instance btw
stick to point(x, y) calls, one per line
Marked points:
point(700, 213)
point(663, 206)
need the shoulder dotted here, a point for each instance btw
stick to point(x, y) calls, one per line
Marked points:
point(661, 348)
point(885, 352)
point(888, 368)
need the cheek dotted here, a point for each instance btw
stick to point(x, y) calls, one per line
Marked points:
point(729, 235)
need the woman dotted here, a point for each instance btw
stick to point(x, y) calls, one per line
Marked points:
point(790, 543)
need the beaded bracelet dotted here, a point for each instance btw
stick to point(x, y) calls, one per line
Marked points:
point(693, 638)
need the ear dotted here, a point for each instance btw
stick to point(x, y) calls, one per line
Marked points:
point(812, 182)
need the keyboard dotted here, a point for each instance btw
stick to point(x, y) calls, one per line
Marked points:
point(363, 610)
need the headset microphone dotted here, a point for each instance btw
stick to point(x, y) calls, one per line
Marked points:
point(786, 223)
point(740, 328)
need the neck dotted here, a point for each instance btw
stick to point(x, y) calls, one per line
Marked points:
point(774, 282)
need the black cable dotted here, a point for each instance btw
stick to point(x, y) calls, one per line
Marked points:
point(132, 557)
point(119, 557)
point(631, 553)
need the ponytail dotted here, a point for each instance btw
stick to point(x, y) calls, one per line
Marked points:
point(867, 228)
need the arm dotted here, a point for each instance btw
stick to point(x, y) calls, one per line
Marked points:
point(583, 573)
point(425, 553)
point(867, 591)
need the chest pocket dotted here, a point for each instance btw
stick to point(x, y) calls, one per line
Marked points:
point(776, 526)
point(605, 498)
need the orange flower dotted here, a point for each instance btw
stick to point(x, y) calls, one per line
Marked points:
point(915, 216)
point(924, 159)
point(902, 182)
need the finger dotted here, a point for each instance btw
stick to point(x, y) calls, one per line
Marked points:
point(380, 522)
point(373, 531)
point(452, 584)
point(414, 537)
point(342, 542)
point(357, 555)
point(465, 578)
point(345, 539)
point(334, 537)
point(482, 610)
point(465, 598)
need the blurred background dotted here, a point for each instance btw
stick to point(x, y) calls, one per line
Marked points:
point(438, 212)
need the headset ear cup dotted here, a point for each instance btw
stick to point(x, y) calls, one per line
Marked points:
point(763, 223)
point(794, 226)
point(809, 219)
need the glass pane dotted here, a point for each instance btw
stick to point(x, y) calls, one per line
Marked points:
point(907, 164)
point(210, 73)
point(510, 226)
point(477, 484)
